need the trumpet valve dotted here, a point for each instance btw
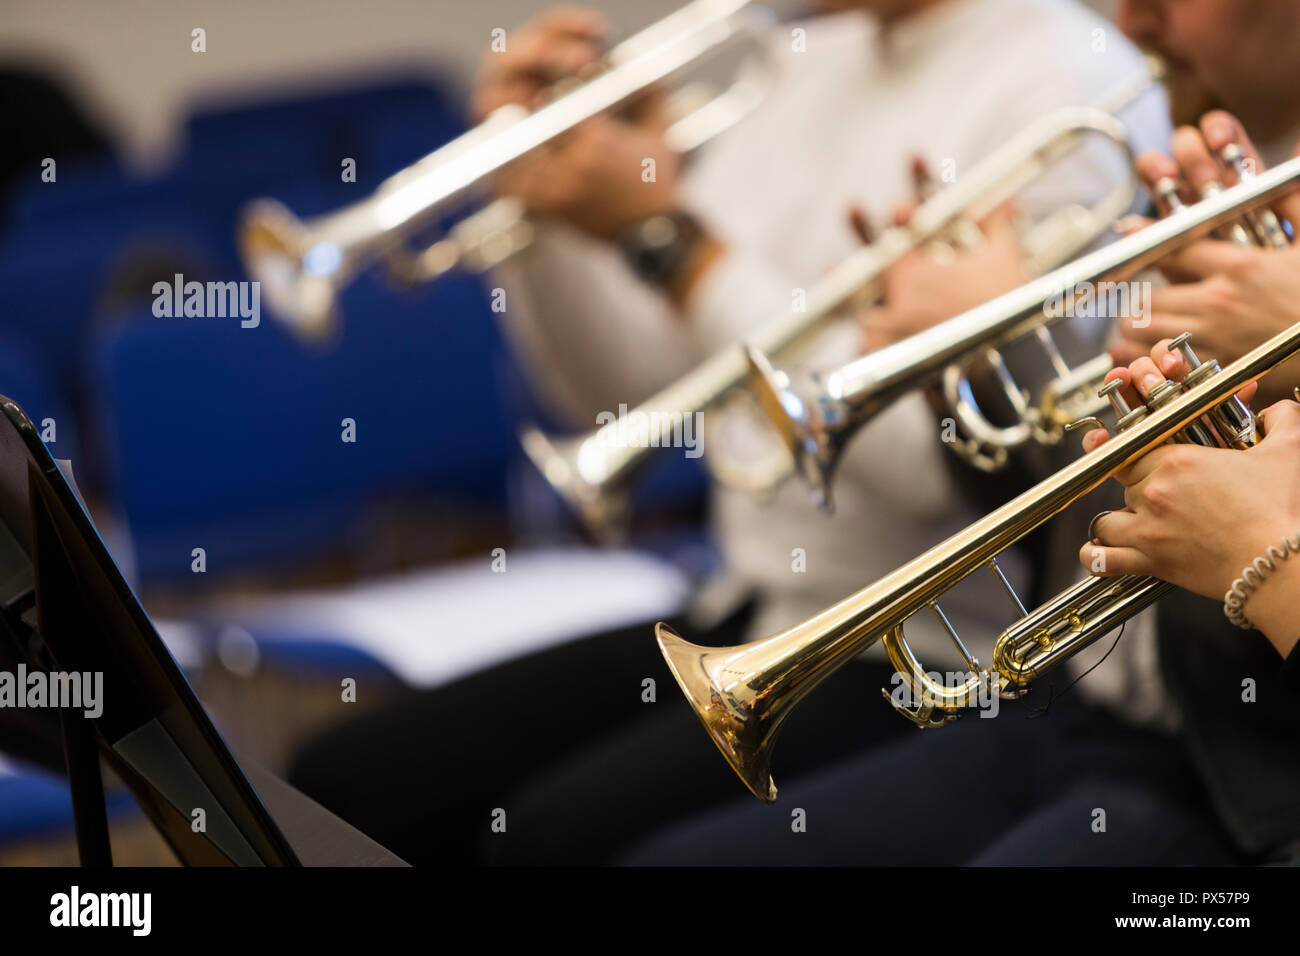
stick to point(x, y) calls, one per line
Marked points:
point(1268, 228)
point(1232, 419)
point(1166, 191)
point(1197, 371)
point(1126, 417)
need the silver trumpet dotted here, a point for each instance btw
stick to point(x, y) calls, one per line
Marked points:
point(743, 694)
point(818, 414)
point(303, 265)
point(593, 473)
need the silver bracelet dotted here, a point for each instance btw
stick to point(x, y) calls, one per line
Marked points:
point(1251, 578)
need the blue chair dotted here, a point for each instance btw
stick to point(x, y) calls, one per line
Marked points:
point(72, 249)
point(35, 804)
point(32, 804)
point(231, 438)
point(24, 378)
point(384, 125)
point(65, 240)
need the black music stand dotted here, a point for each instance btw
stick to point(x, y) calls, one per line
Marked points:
point(64, 606)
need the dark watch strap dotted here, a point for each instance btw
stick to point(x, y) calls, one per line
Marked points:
point(658, 247)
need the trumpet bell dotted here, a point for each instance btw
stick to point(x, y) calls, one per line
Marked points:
point(298, 279)
point(600, 509)
point(810, 423)
point(741, 721)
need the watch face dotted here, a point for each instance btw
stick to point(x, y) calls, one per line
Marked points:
point(657, 247)
point(659, 232)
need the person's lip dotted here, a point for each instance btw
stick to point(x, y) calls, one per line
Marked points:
point(1174, 66)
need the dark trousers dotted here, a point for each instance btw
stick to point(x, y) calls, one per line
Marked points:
point(563, 742)
point(562, 752)
point(1075, 787)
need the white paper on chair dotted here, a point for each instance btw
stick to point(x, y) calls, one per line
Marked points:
point(433, 627)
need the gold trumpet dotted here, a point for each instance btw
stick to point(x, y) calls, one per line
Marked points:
point(594, 472)
point(304, 265)
point(742, 694)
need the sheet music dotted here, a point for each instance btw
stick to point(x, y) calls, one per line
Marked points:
point(433, 627)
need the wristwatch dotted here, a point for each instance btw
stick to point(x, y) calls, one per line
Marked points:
point(658, 247)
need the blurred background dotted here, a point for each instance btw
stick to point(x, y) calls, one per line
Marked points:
point(320, 559)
